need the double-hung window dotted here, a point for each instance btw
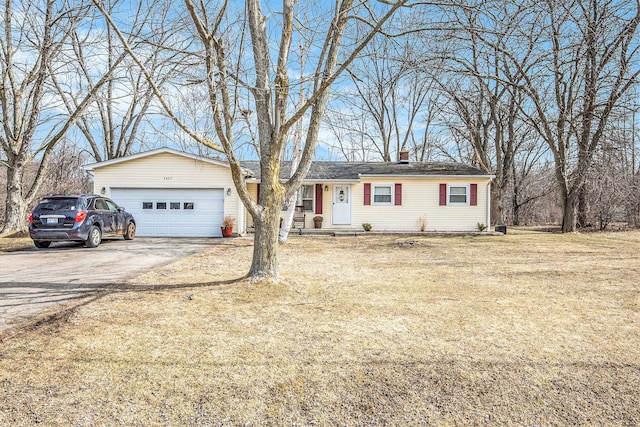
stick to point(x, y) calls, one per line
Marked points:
point(382, 194)
point(458, 194)
point(305, 197)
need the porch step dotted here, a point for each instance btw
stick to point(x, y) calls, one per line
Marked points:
point(326, 231)
point(347, 233)
point(337, 232)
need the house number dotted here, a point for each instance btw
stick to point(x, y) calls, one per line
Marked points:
point(168, 178)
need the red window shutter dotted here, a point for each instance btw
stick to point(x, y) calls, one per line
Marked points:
point(443, 194)
point(319, 199)
point(473, 189)
point(367, 194)
point(258, 194)
point(398, 198)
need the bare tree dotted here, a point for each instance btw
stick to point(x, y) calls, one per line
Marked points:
point(296, 142)
point(486, 99)
point(191, 105)
point(422, 147)
point(534, 194)
point(576, 60)
point(389, 95)
point(227, 71)
point(349, 141)
point(612, 179)
point(33, 48)
point(531, 178)
point(65, 174)
point(625, 132)
point(607, 189)
point(114, 125)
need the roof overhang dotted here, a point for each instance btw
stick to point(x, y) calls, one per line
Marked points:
point(163, 150)
point(438, 176)
point(313, 181)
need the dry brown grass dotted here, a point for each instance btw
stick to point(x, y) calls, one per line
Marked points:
point(14, 243)
point(524, 329)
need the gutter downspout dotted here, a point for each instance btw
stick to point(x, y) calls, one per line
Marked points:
point(489, 204)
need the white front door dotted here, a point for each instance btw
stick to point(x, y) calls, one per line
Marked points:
point(341, 205)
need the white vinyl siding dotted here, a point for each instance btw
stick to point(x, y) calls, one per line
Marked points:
point(420, 203)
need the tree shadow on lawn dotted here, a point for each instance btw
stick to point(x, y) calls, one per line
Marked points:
point(66, 301)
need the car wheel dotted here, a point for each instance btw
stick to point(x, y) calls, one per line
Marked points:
point(95, 237)
point(130, 232)
point(40, 244)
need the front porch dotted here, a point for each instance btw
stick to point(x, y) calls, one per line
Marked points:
point(348, 231)
point(342, 231)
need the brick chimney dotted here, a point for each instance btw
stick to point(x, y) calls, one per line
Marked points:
point(404, 156)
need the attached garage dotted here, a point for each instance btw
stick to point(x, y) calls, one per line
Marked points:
point(174, 212)
point(171, 193)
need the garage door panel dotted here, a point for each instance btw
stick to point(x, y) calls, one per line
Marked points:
point(175, 218)
point(160, 231)
point(178, 231)
point(204, 220)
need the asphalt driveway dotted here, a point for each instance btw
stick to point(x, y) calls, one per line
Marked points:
point(34, 280)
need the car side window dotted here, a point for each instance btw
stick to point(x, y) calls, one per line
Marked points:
point(112, 206)
point(101, 205)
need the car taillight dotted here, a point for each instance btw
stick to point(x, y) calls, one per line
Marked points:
point(30, 217)
point(80, 216)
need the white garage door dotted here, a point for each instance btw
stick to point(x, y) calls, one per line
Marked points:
point(175, 212)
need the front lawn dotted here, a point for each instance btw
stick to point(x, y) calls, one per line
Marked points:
point(528, 328)
point(14, 243)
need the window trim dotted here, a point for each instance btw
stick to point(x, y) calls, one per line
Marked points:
point(312, 198)
point(392, 192)
point(299, 194)
point(467, 188)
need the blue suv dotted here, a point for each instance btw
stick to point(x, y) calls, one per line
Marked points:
point(82, 218)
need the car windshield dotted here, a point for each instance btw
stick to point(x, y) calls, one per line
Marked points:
point(68, 204)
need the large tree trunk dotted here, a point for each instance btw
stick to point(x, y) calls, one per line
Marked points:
point(569, 205)
point(265, 245)
point(15, 208)
point(583, 208)
point(497, 207)
point(516, 213)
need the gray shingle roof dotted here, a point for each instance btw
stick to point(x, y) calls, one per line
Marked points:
point(354, 170)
